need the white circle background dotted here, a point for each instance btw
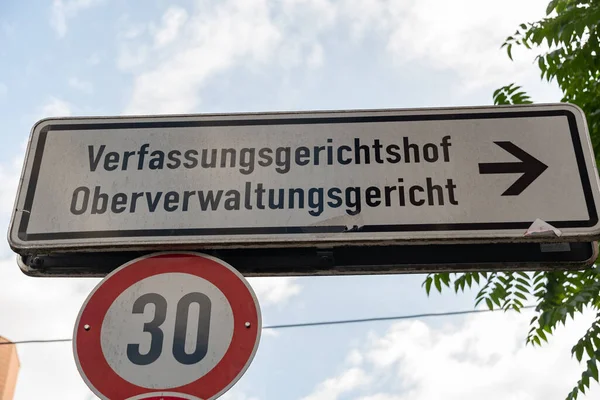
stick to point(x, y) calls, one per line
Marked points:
point(121, 327)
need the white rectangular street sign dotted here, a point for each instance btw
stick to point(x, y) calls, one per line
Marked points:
point(460, 175)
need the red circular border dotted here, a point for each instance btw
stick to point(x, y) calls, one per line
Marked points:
point(87, 346)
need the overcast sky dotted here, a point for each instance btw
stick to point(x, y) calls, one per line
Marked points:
point(106, 57)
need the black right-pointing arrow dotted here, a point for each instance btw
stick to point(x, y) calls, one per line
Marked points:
point(529, 166)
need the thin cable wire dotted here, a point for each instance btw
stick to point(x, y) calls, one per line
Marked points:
point(37, 341)
point(353, 321)
point(320, 323)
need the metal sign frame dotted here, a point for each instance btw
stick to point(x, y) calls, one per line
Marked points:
point(347, 260)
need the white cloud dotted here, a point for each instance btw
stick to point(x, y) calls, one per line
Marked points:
point(131, 56)
point(315, 58)
point(303, 24)
point(172, 21)
point(333, 388)
point(211, 40)
point(355, 358)
point(42, 308)
point(132, 50)
point(81, 85)
point(321, 13)
point(174, 59)
point(270, 333)
point(381, 396)
point(188, 49)
point(235, 395)
point(275, 290)
point(133, 31)
point(56, 107)
point(462, 36)
point(483, 358)
point(366, 15)
point(64, 10)
point(94, 59)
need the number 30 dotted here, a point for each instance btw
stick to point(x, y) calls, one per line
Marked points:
point(181, 319)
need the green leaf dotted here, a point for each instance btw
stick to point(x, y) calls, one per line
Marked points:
point(593, 369)
point(578, 351)
point(520, 295)
point(438, 283)
point(551, 7)
point(517, 305)
point(523, 282)
point(585, 379)
point(589, 348)
point(478, 301)
point(489, 303)
point(496, 300)
point(545, 318)
point(522, 288)
point(428, 283)
point(539, 277)
point(523, 275)
point(512, 88)
point(445, 278)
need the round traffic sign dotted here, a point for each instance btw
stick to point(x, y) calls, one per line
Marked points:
point(167, 326)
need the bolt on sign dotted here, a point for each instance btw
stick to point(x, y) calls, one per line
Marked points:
point(514, 174)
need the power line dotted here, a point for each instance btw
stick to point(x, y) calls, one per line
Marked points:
point(319, 323)
point(37, 341)
point(353, 321)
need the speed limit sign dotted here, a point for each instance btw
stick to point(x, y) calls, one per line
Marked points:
point(167, 326)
